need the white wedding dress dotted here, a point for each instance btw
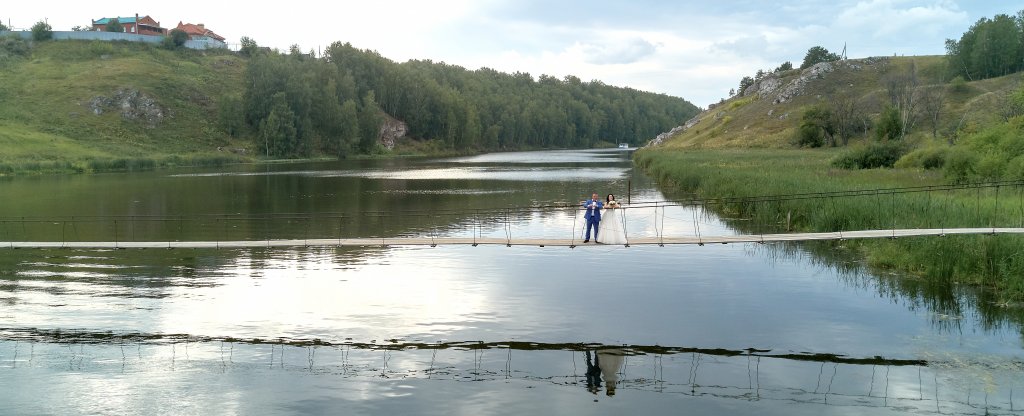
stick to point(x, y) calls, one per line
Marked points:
point(610, 230)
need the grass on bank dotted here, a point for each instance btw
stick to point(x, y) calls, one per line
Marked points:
point(995, 262)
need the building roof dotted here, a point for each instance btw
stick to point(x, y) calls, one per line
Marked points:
point(140, 20)
point(198, 30)
point(105, 20)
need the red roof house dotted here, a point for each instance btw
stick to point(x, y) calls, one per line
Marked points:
point(198, 31)
point(143, 26)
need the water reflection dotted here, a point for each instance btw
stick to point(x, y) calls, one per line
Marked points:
point(547, 157)
point(950, 307)
point(606, 366)
point(464, 173)
point(632, 376)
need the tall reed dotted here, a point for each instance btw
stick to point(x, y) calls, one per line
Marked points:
point(993, 261)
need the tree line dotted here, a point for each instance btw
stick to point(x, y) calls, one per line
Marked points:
point(990, 48)
point(298, 104)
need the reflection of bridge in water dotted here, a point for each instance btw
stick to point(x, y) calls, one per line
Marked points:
point(900, 212)
point(750, 375)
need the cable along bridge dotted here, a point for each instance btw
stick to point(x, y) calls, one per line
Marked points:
point(890, 213)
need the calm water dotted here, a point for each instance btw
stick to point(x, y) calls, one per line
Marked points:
point(727, 329)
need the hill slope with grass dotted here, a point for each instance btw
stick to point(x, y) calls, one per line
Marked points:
point(957, 132)
point(81, 105)
point(768, 113)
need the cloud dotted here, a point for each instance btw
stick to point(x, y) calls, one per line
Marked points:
point(886, 18)
point(744, 46)
point(621, 51)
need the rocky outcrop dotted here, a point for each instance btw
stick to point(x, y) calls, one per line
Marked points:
point(764, 87)
point(391, 131)
point(132, 104)
point(796, 86)
point(773, 87)
point(664, 136)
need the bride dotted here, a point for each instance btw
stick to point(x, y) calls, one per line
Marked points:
point(611, 231)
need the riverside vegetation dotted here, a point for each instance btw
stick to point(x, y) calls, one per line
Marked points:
point(883, 122)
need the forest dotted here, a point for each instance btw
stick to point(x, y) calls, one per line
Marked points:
point(298, 104)
point(990, 48)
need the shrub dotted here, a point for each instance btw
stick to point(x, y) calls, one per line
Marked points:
point(42, 31)
point(179, 37)
point(874, 155)
point(13, 45)
point(809, 135)
point(926, 158)
point(1012, 141)
point(1014, 169)
point(816, 125)
point(168, 43)
point(958, 84)
point(175, 40)
point(889, 125)
point(991, 167)
point(960, 165)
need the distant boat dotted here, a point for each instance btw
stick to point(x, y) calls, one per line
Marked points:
point(623, 145)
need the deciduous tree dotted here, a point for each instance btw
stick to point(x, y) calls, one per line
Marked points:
point(42, 31)
point(990, 48)
point(248, 46)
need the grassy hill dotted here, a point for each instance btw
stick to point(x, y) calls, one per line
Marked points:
point(767, 117)
point(744, 147)
point(81, 104)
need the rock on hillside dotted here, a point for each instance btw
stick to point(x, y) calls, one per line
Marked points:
point(767, 86)
point(133, 105)
point(391, 130)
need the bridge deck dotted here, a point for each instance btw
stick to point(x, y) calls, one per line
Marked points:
point(427, 241)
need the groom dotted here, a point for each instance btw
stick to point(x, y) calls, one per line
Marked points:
point(593, 216)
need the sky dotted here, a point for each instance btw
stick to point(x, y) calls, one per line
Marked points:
point(689, 49)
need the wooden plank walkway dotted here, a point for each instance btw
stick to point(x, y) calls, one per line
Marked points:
point(427, 241)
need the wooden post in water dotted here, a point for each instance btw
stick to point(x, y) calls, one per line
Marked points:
point(629, 190)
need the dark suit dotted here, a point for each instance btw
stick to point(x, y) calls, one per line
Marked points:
point(593, 217)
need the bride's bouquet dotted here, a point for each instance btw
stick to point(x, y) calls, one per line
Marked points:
point(612, 204)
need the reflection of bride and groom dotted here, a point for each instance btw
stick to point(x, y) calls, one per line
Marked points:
point(607, 226)
point(607, 364)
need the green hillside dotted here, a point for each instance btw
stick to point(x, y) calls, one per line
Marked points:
point(75, 103)
point(769, 114)
point(79, 106)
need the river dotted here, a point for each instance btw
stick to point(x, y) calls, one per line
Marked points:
point(401, 329)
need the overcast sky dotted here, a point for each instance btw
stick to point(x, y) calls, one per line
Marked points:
point(697, 50)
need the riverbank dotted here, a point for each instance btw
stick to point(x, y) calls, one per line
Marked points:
point(990, 262)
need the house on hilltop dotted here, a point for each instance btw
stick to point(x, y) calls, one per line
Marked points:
point(142, 26)
point(199, 34)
